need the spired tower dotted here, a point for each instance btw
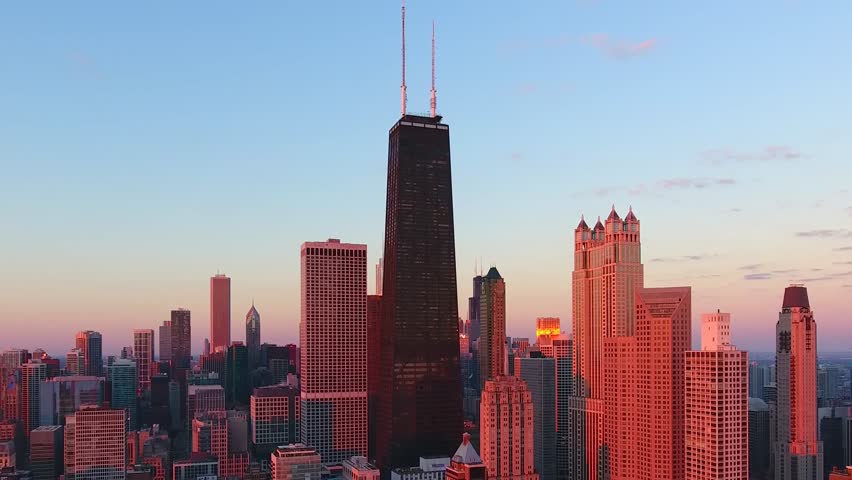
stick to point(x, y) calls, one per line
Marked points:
point(607, 272)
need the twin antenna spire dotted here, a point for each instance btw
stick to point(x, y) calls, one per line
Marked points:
point(433, 98)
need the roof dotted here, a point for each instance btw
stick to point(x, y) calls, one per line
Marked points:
point(599, 225)
point(582, 225)
point(466, 453)
point(757, 405)
point(630, 216)
point(493, 274)
point(796, 296)
point(613, 215)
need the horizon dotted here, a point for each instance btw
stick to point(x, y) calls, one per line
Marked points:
point(141, 159)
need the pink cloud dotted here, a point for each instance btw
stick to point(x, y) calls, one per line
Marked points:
point(620, 49)
point(772, 153)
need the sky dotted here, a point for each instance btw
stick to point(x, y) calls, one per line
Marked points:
point(146, 146)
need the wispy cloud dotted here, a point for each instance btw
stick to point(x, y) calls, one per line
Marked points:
point(666, 184)
point(684, 258)
point(753, 266)
point(620, 49)
point(772, 153)
point(734, 210)
point(757, 276)
point(849, 211)
point(825, 233)
point(843, 263)
point(843, 249)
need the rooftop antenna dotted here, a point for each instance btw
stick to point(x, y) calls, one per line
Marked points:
point(433, 101)
point(404, 96)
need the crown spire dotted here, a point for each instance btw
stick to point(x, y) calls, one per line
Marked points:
point(404, 99)
point(433, 100)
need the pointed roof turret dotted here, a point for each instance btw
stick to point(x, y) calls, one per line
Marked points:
point(582, 225)
point(493, 274)
point(252, 313)
point(630, 216)
point(599, 225)
point(466, 454)
point(613, 215)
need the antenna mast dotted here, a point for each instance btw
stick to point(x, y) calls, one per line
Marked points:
point(433, 101)
point(404, 96)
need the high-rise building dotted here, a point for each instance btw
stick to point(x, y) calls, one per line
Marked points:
point(32, 374)
point(123, 380)
point(68, 445)
point(99, 444)
point(539, 373)
point(253, 336)
point(507, 430)
point(10, 393)
point(220, 312)
point(75, 362)
point(607, 271)
point(758, 439)
point(180, 338)
point(545, 329)
point(46, 450)
point(828, 382)
point(8, 455)
point(275, 417)
point(756, 380)
point(166, 341)
point(333, 338)
point(563, 353)
point(296, 462)
point(716, 405)
point(380, 275)
point(236, 375)
point(420, 408)
point(797, 452)
point(223, 434)
point(466, 463)
point(492, 317)
point(374, 355)
point(831, 434)
point(203, 398)
point(91, 345)
point(62, 396)
point(358, 468)
point(143, 353)
point(197, 466)
point(473, 308)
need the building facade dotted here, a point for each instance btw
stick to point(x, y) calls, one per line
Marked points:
point(33, 373)
point(539, 373)
point(507, 430)
point(275, 416)
point(358, 468)
point(492, 317)
point(143, 354)
point(716, 406)
point(253, 336)
point(46, 452)
point(123, 379)
point(99, 444)
point(797, 452)
point(333, 338)
point(296, 462)
point(758, 439)
point(180, 339)
point(165, 341)
point(220, 312)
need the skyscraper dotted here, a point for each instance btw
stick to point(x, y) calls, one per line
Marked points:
point(756, 380)
point(507, 430)
point(333, 338)
point(236, 375)
point(32, 374)
point(758, 439)
point(545, 329)
point(75, 362)
point(797, 452)
point(203, 398)
point(473, 308)
point(275, 417)
point(123, 378)
point(91, 344)
point(716, 406)
point(143, 353)
point(374, 355)
point(180, 338)
point(166, 341)
point(563, 352)
point(99, 444)
point(62, 396)
point(492, 317)
point(607, 271)
point(253, 336)
point(539, 373)
point(220, 312)
point(46, 450)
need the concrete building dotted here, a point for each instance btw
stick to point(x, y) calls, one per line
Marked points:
point(507, 430)
point(296, 462)
point(143, 354)
point(716, 406)
point(224, 435)
point(275, 416)
point(333, 338)
point(492, 317)
point(539, 373)
point(797, 452)
point(466, 463)
point(429, 468)
point(358, 468)
point(758, 439)
point(46, 452)
point(99, 444)
point(220, 312)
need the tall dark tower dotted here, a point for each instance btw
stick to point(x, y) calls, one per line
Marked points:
point(419, 400)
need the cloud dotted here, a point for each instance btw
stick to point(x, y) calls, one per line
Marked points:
point(526, 89)
point(825, 233)
point(84, 63)
point(734, 210)
point(685, 258)
point(620, 49)
point(753, 266)
point(517, 156)
point(846, 286)
point(843, 263)
point(843, 249)
point(666, 184)
point(757, 276)
point(849, 211)
point(772, 153)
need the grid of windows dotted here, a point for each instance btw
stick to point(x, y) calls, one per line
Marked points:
point(99, 444)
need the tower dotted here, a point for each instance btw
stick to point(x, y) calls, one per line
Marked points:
point(420, 404)
point(91, 344)
point(100, 437)
point(507, 429)
point(166, 341)
point(253, 336)
point(180, 338)
point(607, 271)
point(492, 314)
point(333, 338)
point(220, 312)
point(124, 380)
point(716, 405)
point(797, 452)
point(539, 373)
point(32, 374)
point(143, 352)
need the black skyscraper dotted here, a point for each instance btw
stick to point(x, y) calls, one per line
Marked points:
point(420, 401)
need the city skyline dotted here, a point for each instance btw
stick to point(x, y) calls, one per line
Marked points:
point(687, 177)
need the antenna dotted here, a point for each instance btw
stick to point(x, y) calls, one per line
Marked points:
point(433, 101)
point(404, 96)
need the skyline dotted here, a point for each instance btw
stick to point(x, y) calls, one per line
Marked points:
point(149, 202)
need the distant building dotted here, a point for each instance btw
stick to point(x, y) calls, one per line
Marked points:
point(253, 336)
point(99, 444)
point(203, 398)
point(296, 462)
point(757, 378)
point(123, 381)
point(758, 439)
point(199, 466)
point(492, 317)
point(143, 353)
point(275, 417)
point(429, 468)
point(165, 341)
point(33, 373)
point(75, 362)
point(507, 430)
point(236, 375)
point(358, 468)
point(545, 329)
point(224, 435)
point(220, 312)
point(539, 373)
point(563, 353)
point(180, 339)
point(466, 463)
point(91, 344)
point(46, 452)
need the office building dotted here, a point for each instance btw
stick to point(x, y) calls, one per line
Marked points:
point(91, 344)
point(123, 380)
point(716, 406)
point(99, 444)
point(296, 462)
point(275, 417)
point(165, 341)
point(757, 378)
point(539, 373)
point(466, 463)
point(75, 362)
point(563, 353)
point(828, 383)
point(545, 329)
point(180, 339)
point(32, 374)
point(143, 354)
point(46, 451)
point(62, 396)
point(429, 468)
point(507, 430)
point(374, 348)
point(199, 466)
point(473, 308)
point(220, 312)
point(599, 278)
point(201, 399)
point(236, 375)
point(333, 338)
point(224, 435)
point(358, 468)
point(492, 317)
point(253, 337)
point(758, 439)
point(797, 452)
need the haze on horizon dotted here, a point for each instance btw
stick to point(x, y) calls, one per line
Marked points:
point(145, 147)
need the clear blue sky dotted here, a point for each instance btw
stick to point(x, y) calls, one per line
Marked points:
point(144, 146)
